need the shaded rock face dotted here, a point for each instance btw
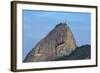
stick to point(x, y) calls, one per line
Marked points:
point(59, 42)
point(80, 53)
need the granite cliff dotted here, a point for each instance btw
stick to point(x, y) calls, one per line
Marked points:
point(57, 43)
point(80, 53)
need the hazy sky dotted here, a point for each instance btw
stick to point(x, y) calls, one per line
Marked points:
point(36, 24)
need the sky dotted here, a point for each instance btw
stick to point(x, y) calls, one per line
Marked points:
point(37, 24)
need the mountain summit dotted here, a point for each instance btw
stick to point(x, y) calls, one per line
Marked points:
point(58, 43)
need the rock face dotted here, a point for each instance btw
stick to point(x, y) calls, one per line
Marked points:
point(59, 42)
point(80, 53)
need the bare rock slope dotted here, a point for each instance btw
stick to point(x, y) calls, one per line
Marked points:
point(59, 42)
